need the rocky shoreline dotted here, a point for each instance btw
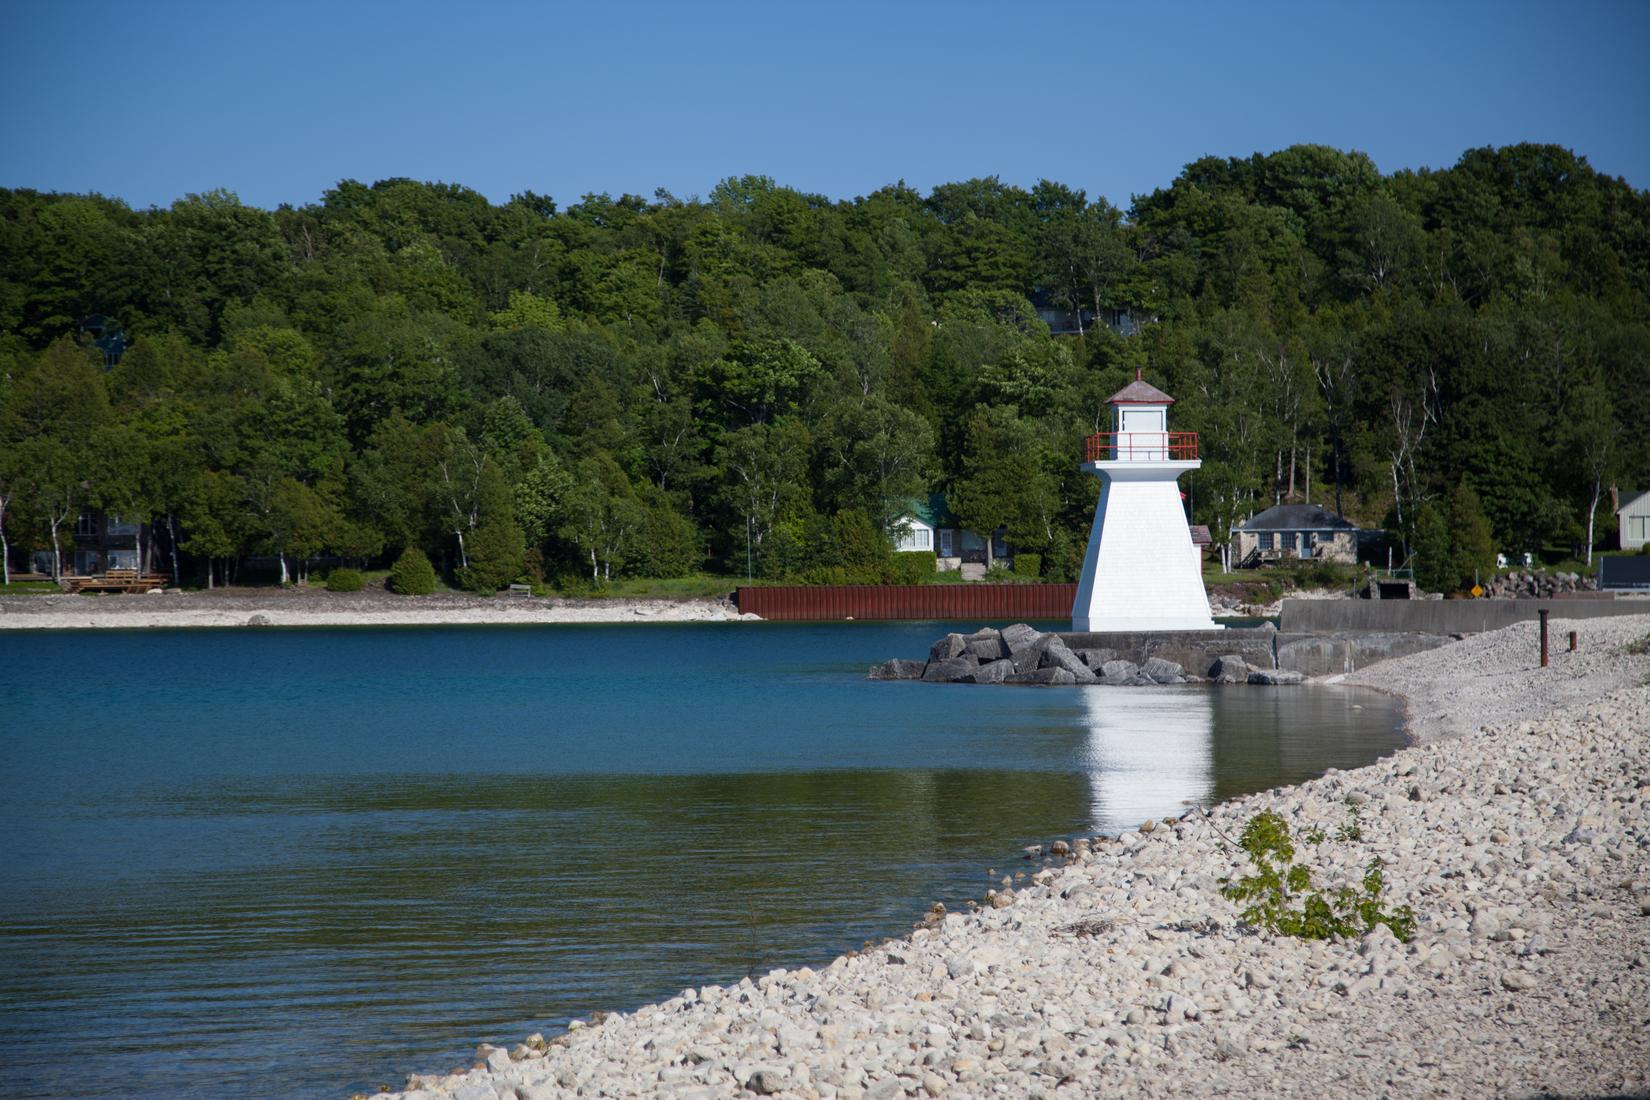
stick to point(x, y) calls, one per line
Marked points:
point(315, 607)
point(1518, 829)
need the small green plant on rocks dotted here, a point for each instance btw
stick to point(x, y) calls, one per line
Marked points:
point(1281, 898)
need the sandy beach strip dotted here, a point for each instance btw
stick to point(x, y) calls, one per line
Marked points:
point(1518, 828)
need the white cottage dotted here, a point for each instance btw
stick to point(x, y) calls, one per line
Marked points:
point(1139, 523)
point(1633, 518)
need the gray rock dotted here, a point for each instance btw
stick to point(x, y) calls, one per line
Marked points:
point(1051, 677)
point(1056, 655)
point(1517, 981)
point(259, 620)
point(497, 1059)
point(986, 645)
point(986, 650)
point(1160, 671)
point(475, 1092)
point(948, 672)
point(1019, 636)
point(1230, 669)
point(992, 672)
point(1275, 677)
point(1095, 658)
point(1118, 673)
point(767, 1080)
point(948, 648)
point(900, 668)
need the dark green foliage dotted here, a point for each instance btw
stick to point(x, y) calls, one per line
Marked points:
point(495, 551)
point(1434, 568)
point(913, 567)
point(654, 387)
point(1281, 897)
point(412, 574)
point(344, 580)
point(1027, 564)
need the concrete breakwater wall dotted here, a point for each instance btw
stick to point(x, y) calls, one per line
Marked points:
point(1259, 647)
point(1443, 616)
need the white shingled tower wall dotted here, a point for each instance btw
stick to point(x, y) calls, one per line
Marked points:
point(1134, 576)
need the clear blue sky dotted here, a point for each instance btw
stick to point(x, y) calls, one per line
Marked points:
point(278, 101)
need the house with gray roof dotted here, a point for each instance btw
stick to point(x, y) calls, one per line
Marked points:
point(1291, 531)
point(1633, 518)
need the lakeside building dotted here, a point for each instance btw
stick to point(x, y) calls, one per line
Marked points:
point(1296, 531)
point(929, 525)
point(1633, 518)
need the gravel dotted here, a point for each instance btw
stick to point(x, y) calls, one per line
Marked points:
point(1518, 830)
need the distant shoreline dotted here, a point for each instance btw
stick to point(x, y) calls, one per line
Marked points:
point(311, 608)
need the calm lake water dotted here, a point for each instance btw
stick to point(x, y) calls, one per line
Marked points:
point(305, 862)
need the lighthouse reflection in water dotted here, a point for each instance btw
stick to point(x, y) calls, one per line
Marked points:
point(1155, 752)
point(1150, 753)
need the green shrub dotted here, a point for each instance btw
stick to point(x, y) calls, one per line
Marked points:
point(913, 567)
point(1279, 883)
point(495, 552)
point(412, 574)
point(344, 580)
point(1028, 565)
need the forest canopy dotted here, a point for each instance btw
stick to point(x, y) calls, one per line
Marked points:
point(751, 381)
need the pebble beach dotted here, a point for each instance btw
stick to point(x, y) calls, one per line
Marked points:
point(1517, 828)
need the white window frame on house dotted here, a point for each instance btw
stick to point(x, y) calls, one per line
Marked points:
point(913, 537)
point(947, 545)
point(1264, 540)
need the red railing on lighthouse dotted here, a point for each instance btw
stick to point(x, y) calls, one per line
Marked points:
point(1140, 447)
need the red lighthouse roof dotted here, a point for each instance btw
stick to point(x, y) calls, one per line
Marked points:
point(1139, 393)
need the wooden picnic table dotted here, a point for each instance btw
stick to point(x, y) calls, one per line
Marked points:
point(116, 580)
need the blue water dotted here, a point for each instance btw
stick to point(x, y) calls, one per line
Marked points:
point(305, 862)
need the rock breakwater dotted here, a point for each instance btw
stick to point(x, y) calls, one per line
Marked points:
point(1020, 654)
point(1114, 965)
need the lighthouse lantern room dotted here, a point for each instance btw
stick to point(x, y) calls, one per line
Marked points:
point(1135, 573)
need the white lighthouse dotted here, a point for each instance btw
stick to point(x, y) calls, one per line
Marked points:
point(1134, 574)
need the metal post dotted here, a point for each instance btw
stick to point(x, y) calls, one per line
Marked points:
point(1543, 613)
point(1572, 641)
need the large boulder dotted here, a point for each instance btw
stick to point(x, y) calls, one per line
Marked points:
point(1159, 671)
point(949, 672)
point(948, 648)
point(987, 645)
point(992, 672)
point(1118, 673)
point(1274, 677)
point(1230, 669)
point(1057, 655)
point(1095, 658)
point(1048, 677)
point(1019, 636)
point(900, 668)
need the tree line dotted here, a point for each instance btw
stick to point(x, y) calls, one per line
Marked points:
point(761, 380)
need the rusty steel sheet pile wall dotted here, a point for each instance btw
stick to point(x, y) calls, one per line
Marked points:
point(985, 602)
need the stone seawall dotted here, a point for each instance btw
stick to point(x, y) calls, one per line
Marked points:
point(1259, 647)
point(1443, 616)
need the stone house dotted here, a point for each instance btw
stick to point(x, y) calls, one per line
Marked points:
point(1296, 531)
